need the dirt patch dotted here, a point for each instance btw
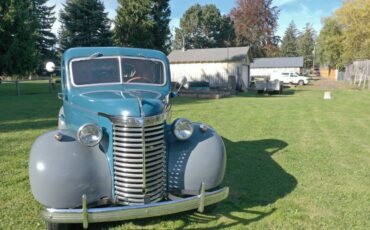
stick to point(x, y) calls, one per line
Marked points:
point(329, 84)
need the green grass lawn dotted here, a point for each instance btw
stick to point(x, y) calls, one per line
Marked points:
point(295, 161)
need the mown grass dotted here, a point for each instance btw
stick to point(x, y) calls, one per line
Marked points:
point(295, 161)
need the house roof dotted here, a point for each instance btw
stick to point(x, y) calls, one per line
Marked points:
point(278, 62)
point(230, 54)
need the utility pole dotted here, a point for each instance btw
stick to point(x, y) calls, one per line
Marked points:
point(313, 56)
point(183, 38)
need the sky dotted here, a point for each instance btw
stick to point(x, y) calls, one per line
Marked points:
point(300, 11)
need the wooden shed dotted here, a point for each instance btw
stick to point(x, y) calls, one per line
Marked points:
point(262, 67)
point(213, 65)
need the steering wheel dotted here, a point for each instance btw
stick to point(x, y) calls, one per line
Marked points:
point(138, 78)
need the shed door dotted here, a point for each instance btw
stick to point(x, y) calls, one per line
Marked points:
point(245, 76)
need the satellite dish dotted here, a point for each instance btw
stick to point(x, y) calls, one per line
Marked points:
point(50, 66)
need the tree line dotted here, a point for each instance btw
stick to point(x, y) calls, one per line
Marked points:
point(345, 36)
point(26, 40)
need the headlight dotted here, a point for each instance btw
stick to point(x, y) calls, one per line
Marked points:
point(89, 135)
point(183, 129)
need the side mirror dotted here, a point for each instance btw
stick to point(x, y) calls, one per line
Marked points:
point(50, 67)
point(184, 83)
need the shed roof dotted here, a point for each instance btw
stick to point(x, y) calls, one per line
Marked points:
point(277, 62)
point(230, 54)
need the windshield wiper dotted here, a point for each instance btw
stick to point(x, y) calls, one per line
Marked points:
point(94, 55)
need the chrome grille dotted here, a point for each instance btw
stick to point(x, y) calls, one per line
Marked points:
point(128, 150)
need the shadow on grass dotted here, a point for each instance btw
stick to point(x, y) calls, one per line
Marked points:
point(288, 91)
point(254, 178)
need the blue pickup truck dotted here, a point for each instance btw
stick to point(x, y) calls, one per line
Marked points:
point(115, 155)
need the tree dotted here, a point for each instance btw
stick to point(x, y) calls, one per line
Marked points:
point(330, 43)
point(289, 44)
point(143, 23)
point(161, 13)
point(255, 23)
point(45, 38)
point(354, 18)
point(17, 38)
point(84, 23)
point(204, 27)
point(306, 44)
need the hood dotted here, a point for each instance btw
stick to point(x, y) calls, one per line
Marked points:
point(117, 102)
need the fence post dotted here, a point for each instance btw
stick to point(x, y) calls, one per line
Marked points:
point(50, 85)
point(17, 87)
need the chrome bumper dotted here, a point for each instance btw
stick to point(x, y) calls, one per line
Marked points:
point(94, 215)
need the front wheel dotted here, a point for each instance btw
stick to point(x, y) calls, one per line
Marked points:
point(300, 82)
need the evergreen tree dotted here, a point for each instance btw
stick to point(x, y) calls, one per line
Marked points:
point(204, 27)
point(143, 23)
point(45, 38)
point(306, 44)
point(17, 38)
point(84, 23)
point(161, 13)
point(289, 44)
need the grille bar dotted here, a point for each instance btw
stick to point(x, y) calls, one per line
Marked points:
point(135, 149)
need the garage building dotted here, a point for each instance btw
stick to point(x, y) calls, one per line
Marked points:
point(212, 65)
point(262, 67)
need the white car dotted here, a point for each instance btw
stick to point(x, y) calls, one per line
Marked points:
point(289, 77)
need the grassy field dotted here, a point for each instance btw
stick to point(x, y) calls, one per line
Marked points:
point(295, 161)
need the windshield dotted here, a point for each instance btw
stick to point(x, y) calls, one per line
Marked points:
point(96, 71)
point(142, 71)
point(107, 70)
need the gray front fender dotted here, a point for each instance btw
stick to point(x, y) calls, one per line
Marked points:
point(62, 171)
point(202, 158)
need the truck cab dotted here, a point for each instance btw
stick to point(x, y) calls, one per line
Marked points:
point(116, 155)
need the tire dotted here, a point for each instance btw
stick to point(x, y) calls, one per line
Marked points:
point(300, 82)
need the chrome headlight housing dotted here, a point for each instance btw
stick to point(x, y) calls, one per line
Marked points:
point(89, 134)
point(182, 128)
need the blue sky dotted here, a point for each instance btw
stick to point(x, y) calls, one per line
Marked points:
point(301, 11)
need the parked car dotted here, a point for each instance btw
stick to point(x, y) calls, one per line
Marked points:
point(116, 155)
point(289, 77)
point(316, 71)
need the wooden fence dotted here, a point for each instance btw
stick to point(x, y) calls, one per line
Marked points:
point(358, 73)
point(52, 86)
point(328, 73)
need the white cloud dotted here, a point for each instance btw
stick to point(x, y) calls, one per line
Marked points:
point(300, 17)
point(175, 22)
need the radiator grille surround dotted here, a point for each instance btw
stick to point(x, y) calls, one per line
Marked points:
point(131, 142)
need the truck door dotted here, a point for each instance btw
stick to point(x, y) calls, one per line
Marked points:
point(285, 77)
point(293, 78)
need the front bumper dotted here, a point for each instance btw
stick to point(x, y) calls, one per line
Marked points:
point(108, 214)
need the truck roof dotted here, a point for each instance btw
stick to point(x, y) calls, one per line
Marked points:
point(79, 52)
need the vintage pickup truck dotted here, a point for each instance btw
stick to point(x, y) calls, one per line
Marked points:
point(115, 155)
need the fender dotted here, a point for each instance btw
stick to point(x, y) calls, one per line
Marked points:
point(61, 171)
point(201, 158)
